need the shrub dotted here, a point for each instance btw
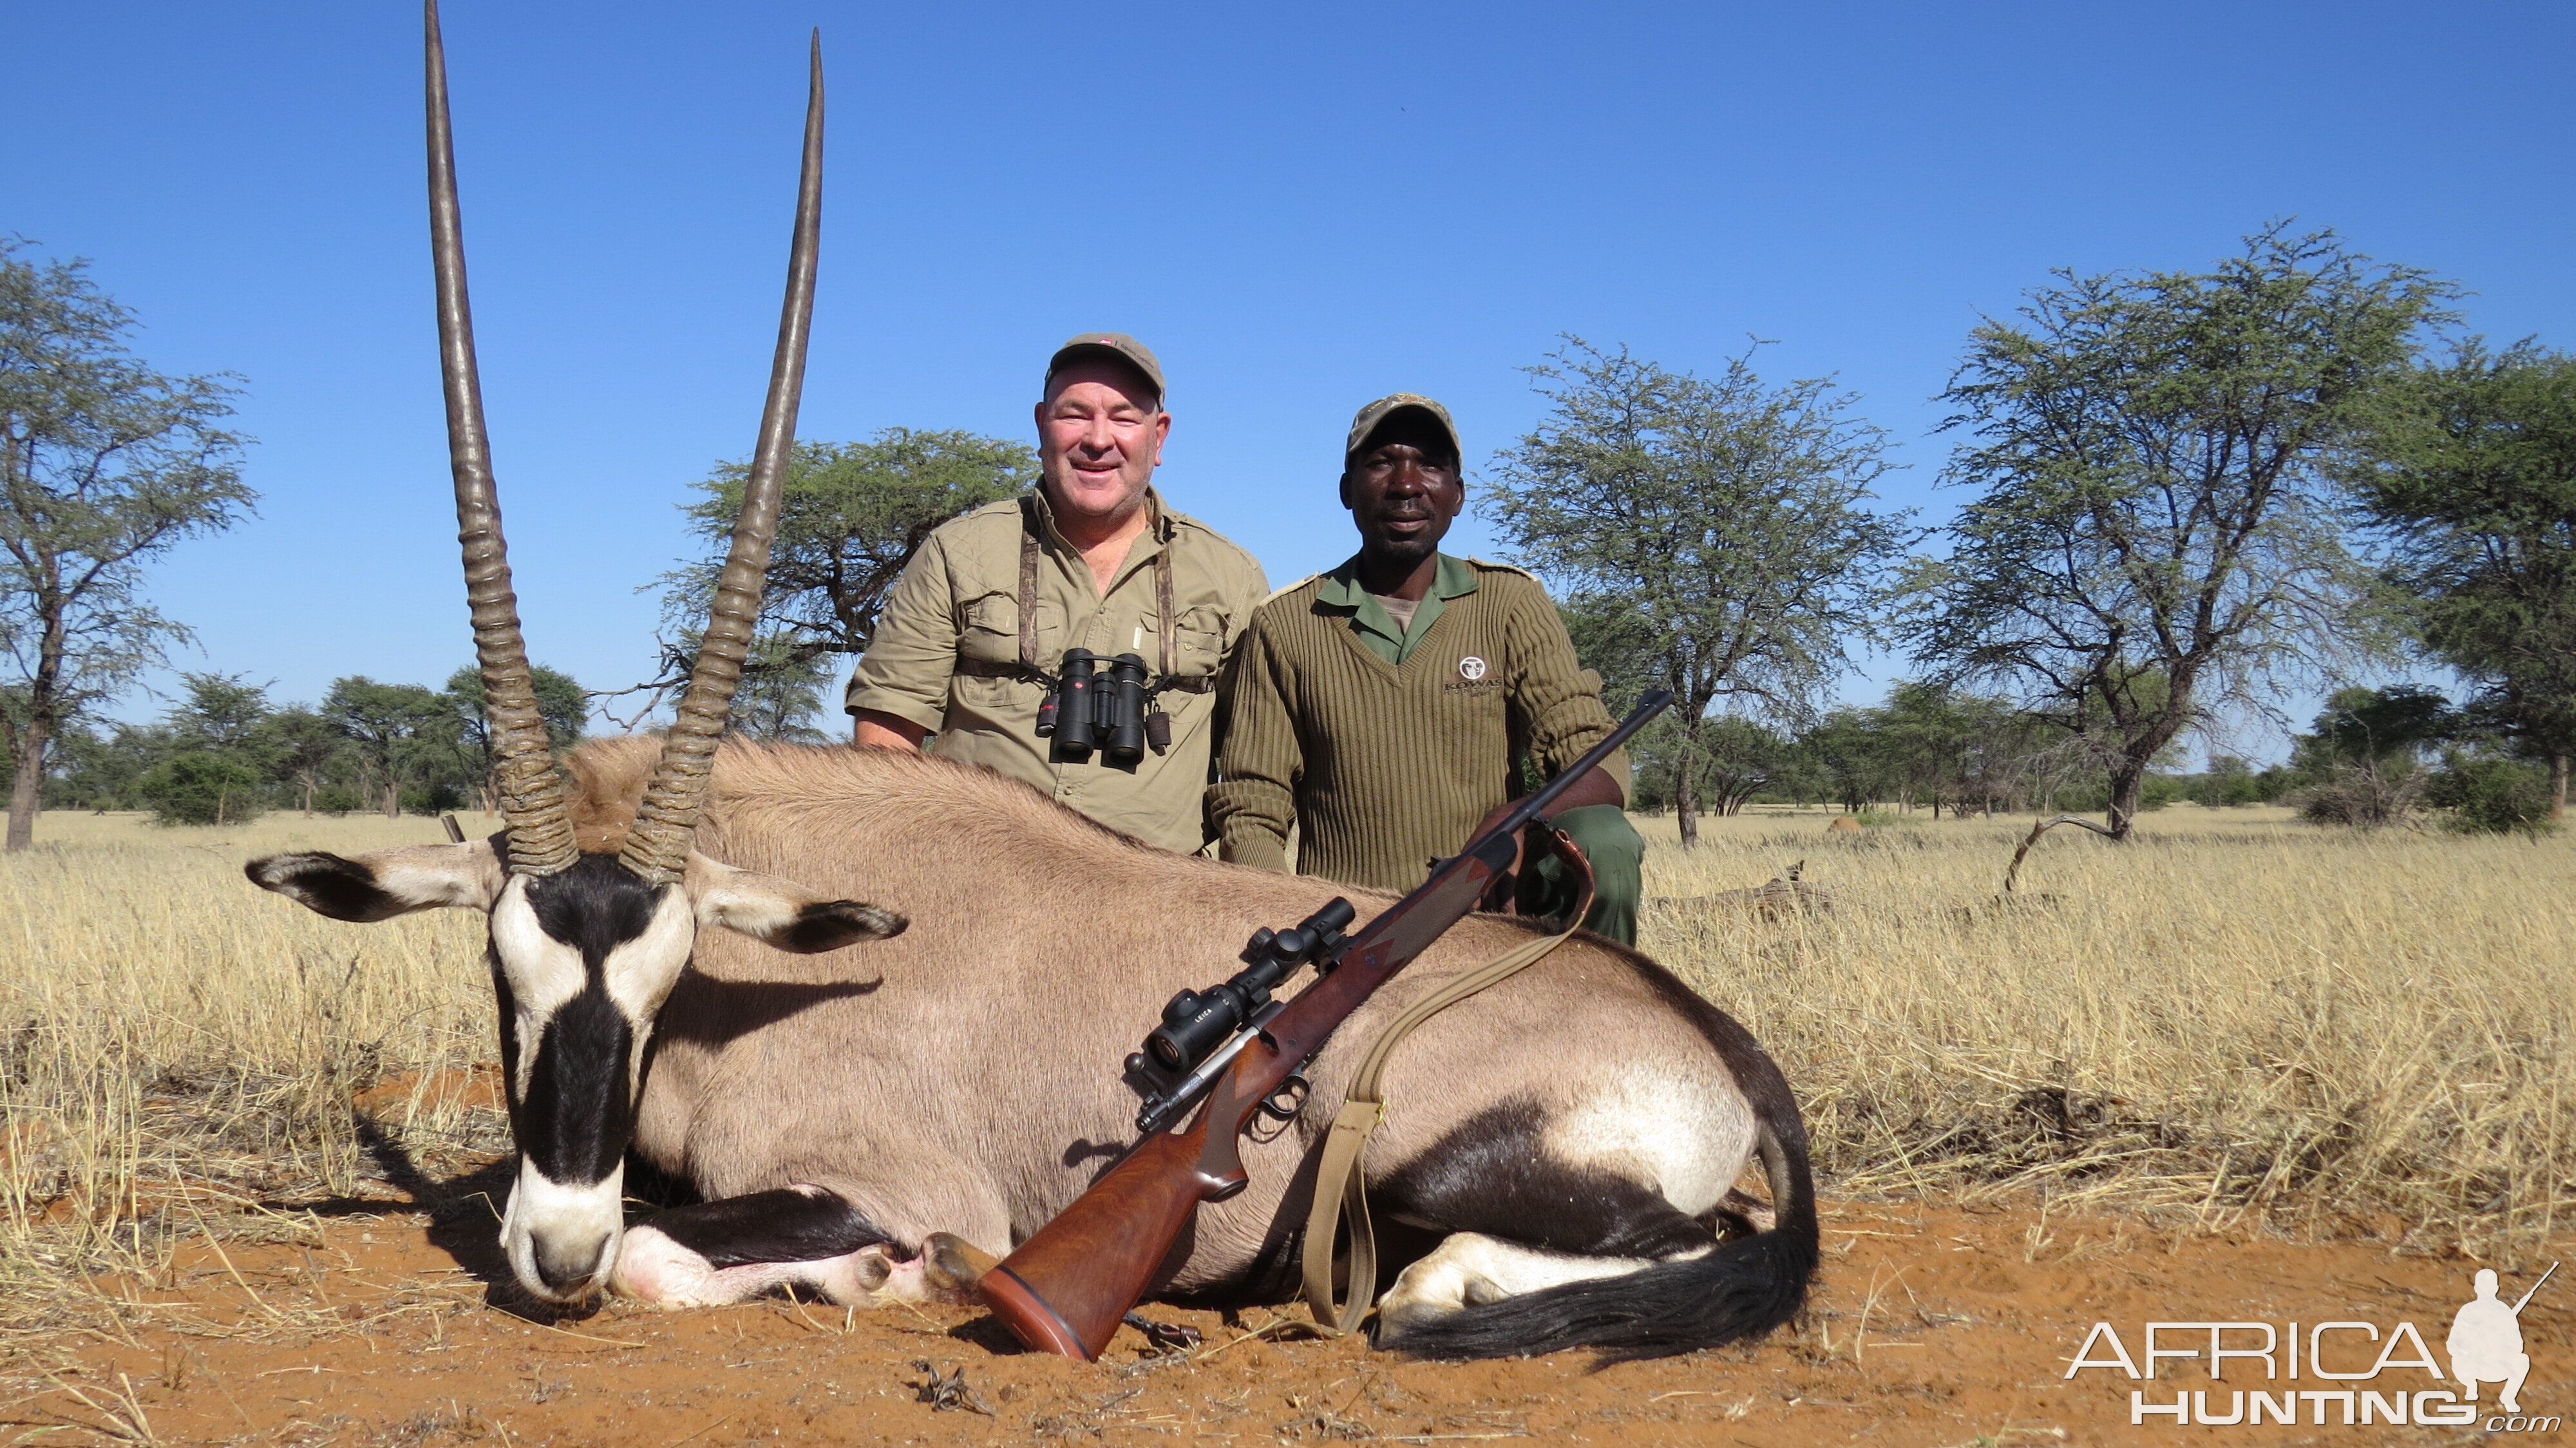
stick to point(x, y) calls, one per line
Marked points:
point(338, 799)
point(201, 788)
point(431, 799)
point(2495, 797)
point(2364, 796)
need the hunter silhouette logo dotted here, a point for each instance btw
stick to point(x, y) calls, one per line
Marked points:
point(2355, 1387)
point(2486, 1342)
point(1471, 667)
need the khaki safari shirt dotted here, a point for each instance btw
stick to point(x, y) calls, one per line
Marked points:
point(946, 655)
point(1387, 746)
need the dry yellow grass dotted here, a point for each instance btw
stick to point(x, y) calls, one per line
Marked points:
point(177, 1046)
point(2236, 1016)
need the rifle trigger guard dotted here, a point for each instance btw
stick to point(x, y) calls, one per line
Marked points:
point(1284, 1103)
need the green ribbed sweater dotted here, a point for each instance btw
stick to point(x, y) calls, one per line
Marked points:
point(1383, 766)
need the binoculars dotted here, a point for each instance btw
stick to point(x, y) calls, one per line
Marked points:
point(1099, 704)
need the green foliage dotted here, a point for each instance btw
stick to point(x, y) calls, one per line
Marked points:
point(392, 747)
point(2154, 533)
point(336, 799)
point(303, 750)
point(851, 515)
point(1732, 759)
point(1722, 516)
point(2494, 796)
point(561, 702)
point(2469, 469)
point(402, 734)
point(201, 787)
point(104, 465)
point(436, 797)
point(2383, 727)
point(2230, 782)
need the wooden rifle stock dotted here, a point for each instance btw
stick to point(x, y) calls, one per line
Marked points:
point(1066, 1288)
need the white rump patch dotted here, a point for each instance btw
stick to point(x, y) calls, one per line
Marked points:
point(1680, 1137)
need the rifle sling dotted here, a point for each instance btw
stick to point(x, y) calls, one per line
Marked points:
point(1341, 1186)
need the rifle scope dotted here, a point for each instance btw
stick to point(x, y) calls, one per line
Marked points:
point(1197, 1022)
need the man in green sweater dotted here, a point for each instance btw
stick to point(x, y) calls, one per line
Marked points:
point(1383, 707)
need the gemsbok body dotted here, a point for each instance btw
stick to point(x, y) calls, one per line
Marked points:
point(869, 1099)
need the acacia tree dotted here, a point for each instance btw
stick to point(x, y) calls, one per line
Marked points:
point(104, 464)
point(2154, 534)
point(1723, 515)
point(2469, 468)
point(400, 733)
point(850, 516)
point(561, 702)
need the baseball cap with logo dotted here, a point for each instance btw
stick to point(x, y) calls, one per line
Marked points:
point(1117, 345)
point(1377, 414)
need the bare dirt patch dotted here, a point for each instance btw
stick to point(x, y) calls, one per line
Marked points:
point(1933, 1324)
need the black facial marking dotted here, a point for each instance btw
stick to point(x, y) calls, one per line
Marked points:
point(576, 1116)
point(327, 885)
point(835, 923)
point(1493, 1175)
point(786, 1225)
point(597, 905)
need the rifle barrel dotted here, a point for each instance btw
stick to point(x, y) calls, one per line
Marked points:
point(2535, 1287)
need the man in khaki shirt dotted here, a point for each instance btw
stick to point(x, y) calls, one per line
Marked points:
point(975, 630)
point(1382, 708)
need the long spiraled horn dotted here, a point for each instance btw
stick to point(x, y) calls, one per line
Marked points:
point(532, 795)
point(657, 848)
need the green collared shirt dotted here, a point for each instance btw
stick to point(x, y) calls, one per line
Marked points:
point(1384, 747)
point(1377, 628)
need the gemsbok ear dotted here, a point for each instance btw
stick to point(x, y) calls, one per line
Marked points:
point(780, 913)
point(382, 884)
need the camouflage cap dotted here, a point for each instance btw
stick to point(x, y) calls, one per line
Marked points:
point(1115, 344)
point(1376, 413)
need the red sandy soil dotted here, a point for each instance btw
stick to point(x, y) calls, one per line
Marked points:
point(1931, 1325)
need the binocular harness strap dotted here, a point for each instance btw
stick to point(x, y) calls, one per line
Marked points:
point(1341, 1186)
point(1029, 586)
point(1029, 600)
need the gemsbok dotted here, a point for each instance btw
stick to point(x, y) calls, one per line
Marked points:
point(680, 978)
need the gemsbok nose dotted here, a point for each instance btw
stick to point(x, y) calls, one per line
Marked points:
point(571, 1270)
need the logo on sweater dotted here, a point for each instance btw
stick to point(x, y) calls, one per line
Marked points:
point(1471, 667)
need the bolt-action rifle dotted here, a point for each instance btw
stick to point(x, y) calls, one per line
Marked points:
point(1066, 1289)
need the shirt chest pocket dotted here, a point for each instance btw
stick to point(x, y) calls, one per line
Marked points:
point(1198, 643)
point(988, 630)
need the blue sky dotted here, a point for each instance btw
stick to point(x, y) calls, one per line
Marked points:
point(1299, 207)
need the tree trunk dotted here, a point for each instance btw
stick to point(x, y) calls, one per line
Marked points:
point(2557, 788)
point(393, 799)
point(306, 779)
point(26, 785)
point(2128, 790)
point(1686, 803)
